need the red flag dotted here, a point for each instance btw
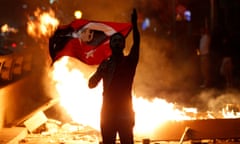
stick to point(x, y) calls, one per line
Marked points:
point(90, 40)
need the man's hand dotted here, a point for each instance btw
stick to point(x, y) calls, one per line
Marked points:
point(134, 16)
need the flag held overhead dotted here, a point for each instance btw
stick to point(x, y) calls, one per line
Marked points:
point(88, 41)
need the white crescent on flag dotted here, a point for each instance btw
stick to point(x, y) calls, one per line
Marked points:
point(100, 27)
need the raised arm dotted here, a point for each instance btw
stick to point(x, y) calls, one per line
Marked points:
point(136, 36)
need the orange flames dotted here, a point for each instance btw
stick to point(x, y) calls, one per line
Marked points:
point(83, 104)
point(7, 28)
point(43, 24)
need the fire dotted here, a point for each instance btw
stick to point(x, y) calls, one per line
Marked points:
point(150, 114)
point(80, 102)
point(84, 104)
point(231, 111)
point(43, 24)
point(7, 28)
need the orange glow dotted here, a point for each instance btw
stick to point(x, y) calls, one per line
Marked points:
point(150, 114)
point(78, 14)
point(80, 102)
point(44, 24)
point(84, 104)
point(231, 111)
point(6, 28)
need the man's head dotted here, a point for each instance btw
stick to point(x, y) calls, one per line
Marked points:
point(86, 35)
point(117, 43)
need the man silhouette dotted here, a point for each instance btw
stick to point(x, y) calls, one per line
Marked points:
point(117, 73)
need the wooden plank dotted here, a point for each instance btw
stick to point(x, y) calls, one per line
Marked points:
point(38, 119)
point(12, 135)
point(41, 108)
point(198, 129)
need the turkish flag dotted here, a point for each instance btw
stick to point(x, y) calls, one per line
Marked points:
point(88, 41)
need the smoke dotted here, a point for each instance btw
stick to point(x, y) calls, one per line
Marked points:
point(106, 10)
point(215, 100)
point(163, 71)
point(167, 69)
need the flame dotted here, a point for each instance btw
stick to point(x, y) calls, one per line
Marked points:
point(84, 104)
point(231, 111)
point(80, 102)
point(6, 28)
point(150, 114)
point(43, 24)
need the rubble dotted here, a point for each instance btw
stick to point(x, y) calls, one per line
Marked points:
point(55, 132)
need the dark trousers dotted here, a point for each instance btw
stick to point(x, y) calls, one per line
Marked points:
point(123, 126)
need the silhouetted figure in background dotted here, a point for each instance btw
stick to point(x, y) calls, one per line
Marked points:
point(204, 46)
point(117, 73)
point(226, 68)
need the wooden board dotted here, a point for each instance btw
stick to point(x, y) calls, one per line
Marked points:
point(35, 121)
point(198, 129)
point(12, 135)
point(44, 107)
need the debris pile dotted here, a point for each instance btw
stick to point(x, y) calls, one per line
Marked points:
point(55, 132)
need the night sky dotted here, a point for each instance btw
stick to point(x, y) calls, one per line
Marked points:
point(10, 12)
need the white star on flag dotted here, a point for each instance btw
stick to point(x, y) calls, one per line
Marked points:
point(90, 53)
